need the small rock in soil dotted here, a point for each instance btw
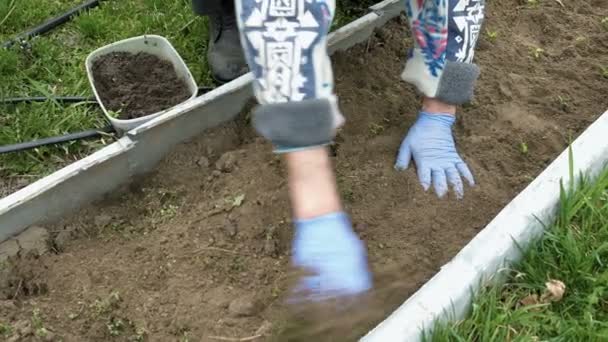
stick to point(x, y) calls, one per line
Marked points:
point(62, 239)
point(270, 248)
point(7, 305)
point(218, 297)
point(8, 249)
point(227, 162)
point(34, 239)
point(203, 162)
point(231, 228)
point(230, 321)
point(243, 307)
point(102, 220)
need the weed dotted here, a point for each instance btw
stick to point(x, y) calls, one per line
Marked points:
point(238, 200)
point(168, 211)
point(140, 334)
point(375, 129)
point(563, 103)
point(105, 306)
point(115, 326)
point(604, 71)
point(533, 3)
point(491, 35)
point(5, 329)
point(523, 148)
point(114, 114)
point(537, 53)
point(38, 324)
point(604, 22)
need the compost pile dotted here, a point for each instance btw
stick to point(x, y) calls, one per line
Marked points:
point(200, 249)
point(136, 85)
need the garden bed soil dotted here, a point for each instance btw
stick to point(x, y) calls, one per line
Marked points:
point(200, 248)
point(136, 85)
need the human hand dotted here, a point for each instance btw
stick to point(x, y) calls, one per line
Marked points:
point(431, 144)
point(328, 248)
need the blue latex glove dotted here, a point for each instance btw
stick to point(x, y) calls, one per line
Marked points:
point(430, 143)
point(329, 249)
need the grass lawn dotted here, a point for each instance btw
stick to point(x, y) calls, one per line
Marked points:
point(574, 251)
point(53, 65)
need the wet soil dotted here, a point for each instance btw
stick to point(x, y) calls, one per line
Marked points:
point(136, 85)
point(200, 249)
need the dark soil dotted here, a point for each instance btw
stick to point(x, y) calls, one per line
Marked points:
point(137, 85)
point(201, 247)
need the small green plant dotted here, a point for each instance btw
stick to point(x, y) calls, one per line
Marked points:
point(115, 326)
point(604, 71)
point(38, 324)
point(140, 334)
point(537, 53)
point(168, 211)
point(105, 306)
point(604, 22)
point(523, 148)
point(491, 35)
point(5, 329)
point(375, 129)
point(563, 102)
point(532, 3)
point(114, 114)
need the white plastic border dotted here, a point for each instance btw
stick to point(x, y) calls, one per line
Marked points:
point(447, 296)
point(142, 148)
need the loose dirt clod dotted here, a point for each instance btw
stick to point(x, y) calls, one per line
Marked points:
point(34, 239)
point(243, 307)
point(135, 85)
point(227, 162)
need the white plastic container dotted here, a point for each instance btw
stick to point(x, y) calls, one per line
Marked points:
point(152, 44)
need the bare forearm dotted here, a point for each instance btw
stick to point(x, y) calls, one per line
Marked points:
point(312, 185)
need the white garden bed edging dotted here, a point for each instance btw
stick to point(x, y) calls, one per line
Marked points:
point(139, 151)
point(447, 296)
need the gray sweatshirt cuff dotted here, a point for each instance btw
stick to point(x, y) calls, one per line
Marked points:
point(457, 83)
point(298, 125)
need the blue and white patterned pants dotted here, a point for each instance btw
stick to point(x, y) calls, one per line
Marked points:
point(285, 44)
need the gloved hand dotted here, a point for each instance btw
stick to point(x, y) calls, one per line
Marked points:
point(430, 143)
point(329, 249)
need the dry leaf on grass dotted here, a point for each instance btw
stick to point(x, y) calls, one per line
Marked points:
point(554, 291)
point(529, 300)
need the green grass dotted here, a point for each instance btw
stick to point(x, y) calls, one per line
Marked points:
point(53, 64)
point(574, 250)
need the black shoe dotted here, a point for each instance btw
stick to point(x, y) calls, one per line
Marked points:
point(225, 54)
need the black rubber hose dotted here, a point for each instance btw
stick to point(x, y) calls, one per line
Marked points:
point(52, 23)
point(93, 133)
point(60, 99)
point(68, 99)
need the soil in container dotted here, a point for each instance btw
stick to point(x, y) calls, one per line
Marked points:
point(201, 247)
point(136, 85)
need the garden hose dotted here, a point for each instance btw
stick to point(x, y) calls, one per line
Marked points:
point(70, 99)
point(89, 134)
point(93, 133)
point(51, 23)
